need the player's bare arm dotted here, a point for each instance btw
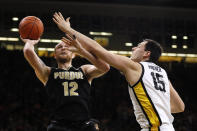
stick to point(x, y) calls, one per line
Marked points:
point(91, 71)
point(64, 26)
point(120, 62)
point(42, 71)
point(132, 70)
point(177, 105)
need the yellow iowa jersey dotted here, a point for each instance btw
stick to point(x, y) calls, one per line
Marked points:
point(151, 99)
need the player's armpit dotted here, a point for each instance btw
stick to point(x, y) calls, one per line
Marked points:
point(44, 75)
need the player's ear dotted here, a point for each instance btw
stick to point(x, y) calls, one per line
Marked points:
point(147, 54)
point(54, 54)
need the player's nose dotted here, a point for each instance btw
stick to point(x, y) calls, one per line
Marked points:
point(133, 48)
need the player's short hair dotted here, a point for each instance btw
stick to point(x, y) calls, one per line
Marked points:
point(155, 48)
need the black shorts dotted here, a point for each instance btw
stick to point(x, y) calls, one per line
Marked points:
point(71, 126)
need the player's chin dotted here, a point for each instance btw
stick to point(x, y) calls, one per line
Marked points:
point(62, 60)
point(64, 57)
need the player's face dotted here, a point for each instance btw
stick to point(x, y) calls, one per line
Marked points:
point(138, 52)
point(61, 53)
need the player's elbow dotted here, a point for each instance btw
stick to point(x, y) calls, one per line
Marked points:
point(178, 108)
point(182, 107)
point(103, 66)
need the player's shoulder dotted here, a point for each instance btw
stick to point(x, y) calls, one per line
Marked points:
point(147, 63)
point(86, 66)
point(152, 66)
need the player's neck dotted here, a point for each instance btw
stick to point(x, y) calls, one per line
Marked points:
point(145, 60)
point(65, 65)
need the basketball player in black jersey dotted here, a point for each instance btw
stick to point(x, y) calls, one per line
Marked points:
point(68, 87)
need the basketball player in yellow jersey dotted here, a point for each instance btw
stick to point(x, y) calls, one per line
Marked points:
point(152, 94)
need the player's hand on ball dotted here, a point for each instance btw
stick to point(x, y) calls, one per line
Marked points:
point(63, 25)
point(31, 27)
point(33, 42)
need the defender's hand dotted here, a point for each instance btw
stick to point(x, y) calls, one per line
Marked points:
point(73, 44)
point(63, 25)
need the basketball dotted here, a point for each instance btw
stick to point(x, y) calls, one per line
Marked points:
point(31, 27)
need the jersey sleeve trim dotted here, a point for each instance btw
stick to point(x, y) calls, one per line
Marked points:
point(142, 74)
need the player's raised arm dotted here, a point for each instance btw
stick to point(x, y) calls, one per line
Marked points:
point(42, 71)
point(120, 62)
point(84, 40)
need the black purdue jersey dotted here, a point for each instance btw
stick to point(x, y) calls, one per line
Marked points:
point(69, 94)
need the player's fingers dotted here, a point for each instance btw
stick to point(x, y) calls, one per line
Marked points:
point(57, 17)
point(69, 37)
point(61, 16)
point(38, 40)
point(21, 38)
point(64, 39)
point(66, 43)
point(54, 17)
point(55, 21)
point(68, 19)
point(24, 40)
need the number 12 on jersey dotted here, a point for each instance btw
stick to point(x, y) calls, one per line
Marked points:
point(70, 88)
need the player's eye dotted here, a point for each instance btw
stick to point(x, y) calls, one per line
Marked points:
point(59, 47)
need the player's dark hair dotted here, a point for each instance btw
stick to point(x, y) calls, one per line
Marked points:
point(155, 49)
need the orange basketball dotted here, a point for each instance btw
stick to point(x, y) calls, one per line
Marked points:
point(31, 27)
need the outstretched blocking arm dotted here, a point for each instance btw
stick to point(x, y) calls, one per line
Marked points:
point(177, 105)
point(120, 62)
point(42, 71)
point(84, 41)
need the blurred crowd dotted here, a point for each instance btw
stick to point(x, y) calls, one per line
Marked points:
point(23, 99)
